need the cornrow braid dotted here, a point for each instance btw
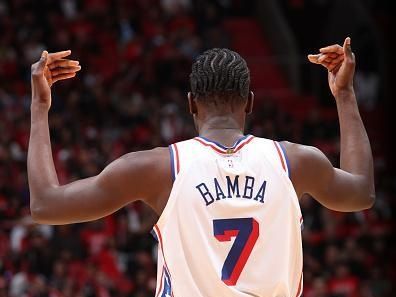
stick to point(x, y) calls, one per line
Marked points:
point(220, 72)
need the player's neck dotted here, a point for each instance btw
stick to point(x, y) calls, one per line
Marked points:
point(223, 129)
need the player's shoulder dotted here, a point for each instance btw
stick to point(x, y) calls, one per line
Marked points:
point(147, 158)
point(141, 167)
point(305, 158)
point(154, 152)
point(306, 162)
point(301, 152)
point(292, 150)
point(140, 163)
point(148, 171)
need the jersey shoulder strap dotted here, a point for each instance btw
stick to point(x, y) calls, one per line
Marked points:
point(274, 152)
point(181, 154)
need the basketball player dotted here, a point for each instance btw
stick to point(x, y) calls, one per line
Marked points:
point(230, 221)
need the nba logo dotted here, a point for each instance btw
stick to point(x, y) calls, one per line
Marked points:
point(230, 163)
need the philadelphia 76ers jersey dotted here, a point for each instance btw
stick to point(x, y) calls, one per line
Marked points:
point(232, 224)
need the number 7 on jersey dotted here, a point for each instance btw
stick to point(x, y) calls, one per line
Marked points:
point(246, 232)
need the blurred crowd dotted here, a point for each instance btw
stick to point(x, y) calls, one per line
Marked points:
point(130, 95)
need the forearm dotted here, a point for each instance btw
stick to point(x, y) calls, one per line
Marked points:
point(356, 156)
point(41, 170)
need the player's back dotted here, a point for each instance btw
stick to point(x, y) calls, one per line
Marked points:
point(231, 226)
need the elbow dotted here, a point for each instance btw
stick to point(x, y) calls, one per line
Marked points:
point(42, 206)
point(38, 211)
point(366, 202)
point(369, 201)
point(366, 196)
point(369, 197)
point(37, 214)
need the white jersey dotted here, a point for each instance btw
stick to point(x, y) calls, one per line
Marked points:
point(232, 224)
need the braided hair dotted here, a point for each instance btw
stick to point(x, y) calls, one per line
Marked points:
point(220, 74)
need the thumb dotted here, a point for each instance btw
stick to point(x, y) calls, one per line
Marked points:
point(348, 49)
point(43, 61)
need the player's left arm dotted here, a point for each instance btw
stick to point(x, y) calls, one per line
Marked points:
point(350, 187)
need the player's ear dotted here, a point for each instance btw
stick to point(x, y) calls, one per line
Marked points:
point(249, 103)
point(192, 105)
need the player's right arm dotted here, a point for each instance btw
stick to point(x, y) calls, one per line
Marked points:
point(141, 175)
point(350, 187)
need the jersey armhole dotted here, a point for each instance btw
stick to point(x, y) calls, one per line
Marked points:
point(284, 160)
point(283, 157)
point(174, 160)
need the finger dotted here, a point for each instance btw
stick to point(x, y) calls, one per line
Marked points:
point(348, 49)
point(313, 58)
point(319, 58)
point(63, 63)
point(334, 64)
point(324, 58)
point(333, 55)
point(332, 49)
point(330, 58)
point(63, 76)
point(335, 68)
point(337, 60)
point(58, 55)
point(63, 70)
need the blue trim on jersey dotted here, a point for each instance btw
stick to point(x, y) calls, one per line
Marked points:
point(167, 287)
point(222, 146)
point(240, 140)
point(172, 161)
point(152, 232)
point(286, 158)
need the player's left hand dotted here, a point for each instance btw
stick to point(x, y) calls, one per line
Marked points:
point(340, 63)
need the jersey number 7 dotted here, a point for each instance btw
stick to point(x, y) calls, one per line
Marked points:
point(246, 232)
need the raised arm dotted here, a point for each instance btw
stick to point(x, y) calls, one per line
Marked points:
point(350, 188)
point(141, 175)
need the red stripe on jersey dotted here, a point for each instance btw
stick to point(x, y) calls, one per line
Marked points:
point(157, 230)
point(280, 156)
point(210, 145)
point(244, 143)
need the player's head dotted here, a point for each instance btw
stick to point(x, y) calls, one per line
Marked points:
point(220, 82)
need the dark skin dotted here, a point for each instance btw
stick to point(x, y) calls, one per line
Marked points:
point(131, 177)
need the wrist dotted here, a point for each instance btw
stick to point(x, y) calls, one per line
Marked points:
point(345, 94)
point(39, 110)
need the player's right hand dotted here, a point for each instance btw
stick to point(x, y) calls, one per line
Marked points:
point(48, 70)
